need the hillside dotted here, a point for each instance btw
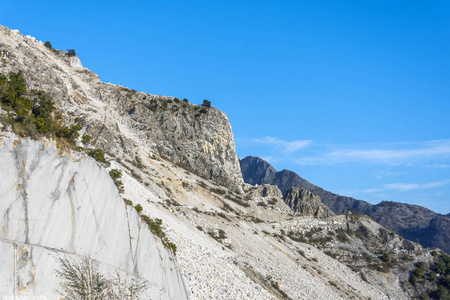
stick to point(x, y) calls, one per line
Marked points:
point(169, 168)
point(412, 222)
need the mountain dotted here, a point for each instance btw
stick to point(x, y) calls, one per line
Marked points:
point(144, 193)
point(412, 222)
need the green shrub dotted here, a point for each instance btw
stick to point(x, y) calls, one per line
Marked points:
point(98, 155)
point(385, 257)
point(206, 103)
point(116, 175)
point(31, 113)
point(71, 52)
point(127, 202)
point(86, 139)
point(48, 45)
point(155, 226)
point(80, 279)
point(138, 208)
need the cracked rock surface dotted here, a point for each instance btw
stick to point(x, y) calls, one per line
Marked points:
point(60, 205)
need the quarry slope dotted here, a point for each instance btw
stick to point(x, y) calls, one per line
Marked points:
point(57, 205)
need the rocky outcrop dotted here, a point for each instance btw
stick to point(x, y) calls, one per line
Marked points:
point(56, 205)
point(413, 222)
point(305, 203)
point(122, 121)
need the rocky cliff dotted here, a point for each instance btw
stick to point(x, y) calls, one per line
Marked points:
point(305, 203)
point(413, 222)
point(175, 163)
point(65, 206)
point(123, 121)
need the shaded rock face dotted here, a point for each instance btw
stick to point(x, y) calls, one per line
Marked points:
point(66, 206)
point(305, 203)
point(413, 222)
point(271, 191)
point(122, 121)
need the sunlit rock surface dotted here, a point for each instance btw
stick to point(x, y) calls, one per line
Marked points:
point(59, 205)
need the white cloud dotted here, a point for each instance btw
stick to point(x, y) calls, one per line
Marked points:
point(386, 174)
point(422, 151)
point(353, 192)
point(285, 146)
point(415, 186)
point(367, 191)
point(438, 166)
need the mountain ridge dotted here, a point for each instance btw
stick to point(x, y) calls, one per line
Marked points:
point(411, 221)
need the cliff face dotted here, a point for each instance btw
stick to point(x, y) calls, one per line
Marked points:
point(123, 121)
point(413, 222)
point(305, 203)
point(57, 205)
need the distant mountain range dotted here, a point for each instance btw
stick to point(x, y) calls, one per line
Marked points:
point(412, 222)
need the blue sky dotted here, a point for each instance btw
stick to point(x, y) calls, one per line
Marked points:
point(352, 95)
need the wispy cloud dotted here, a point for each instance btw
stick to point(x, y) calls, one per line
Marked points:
point(415, 186)
point(285, 146)
point(401, 187)
point(438, 166)
point(385, 174)
point(354, 192)
point(422, 151)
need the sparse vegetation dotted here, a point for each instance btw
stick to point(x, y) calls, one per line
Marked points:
point(80, 279)
point(116, 175)
point(206, 103)
point(301, 252)
point(98, 155)
point(385, 257)
point(71, 52)
point(32, 113)
point(127, 202)
point(218, 191)
point(342, 236)
point(86, 139)
point(237, 200)
point(138, 163)
point(256, 220)
point(48, 45)
point(138, 208)
point(155, 226)
point(433, 279)
point(227, 208)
